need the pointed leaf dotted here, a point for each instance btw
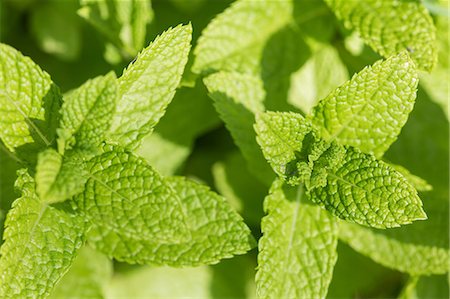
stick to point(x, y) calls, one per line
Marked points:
point(29, 103)
point(41, 242)
point(146, 219)
point(237, 98)
point(350, 184)
point(369, 111)
point(235, 39)
point(390, 26)
point(148, 85)
point(59, 178)
point(87, 113)
point(297, 252)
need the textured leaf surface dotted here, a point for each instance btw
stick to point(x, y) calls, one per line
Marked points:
point(40, 245)
point(58, 178)
point(369, 111)
point(123, 22)
point(29, 102)
point(350, 184)
point(146, 219)
point(391, 26)
point(87, 113)
point(148, 85)
point(369, 192)
point(237, 98)
point(297, 252)
point(423, 247)
point(87, 278)
point(235, 39)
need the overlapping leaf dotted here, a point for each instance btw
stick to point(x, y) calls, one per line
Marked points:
point(390, 26)
point(369, 111)
point(145, 219)
point(237, 97)
point(148, 85)
point(41, 242)
point(298, 247)
point(29, 103)
point(87, 113)
point(350, 184)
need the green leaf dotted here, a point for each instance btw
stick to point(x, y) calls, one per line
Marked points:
point(369, 111)
point(88, 277)
point(56, 28)
point(423, 247)
point(29, 104)
point(59, 178)
point(297, 252)
point(390, 26)
point(41, 242)
point(146, 219)
point(350, 184)
point(235, 39)
point(369, 192)
point(148, 85)
point(237, 97)
point(87, 113)
point(123, 22)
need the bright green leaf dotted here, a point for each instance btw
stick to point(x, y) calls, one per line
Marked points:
point(87, 113)
point(297, 252)
point(350, 184)
point(237, 97)
point(390, 26)
point(29, 103)
point(234, 40)
point(59, 178)
point(148, 85)
point(369, 111)
point(41, 242)
point(146, 219)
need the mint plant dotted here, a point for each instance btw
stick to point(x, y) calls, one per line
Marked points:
point(300, 150)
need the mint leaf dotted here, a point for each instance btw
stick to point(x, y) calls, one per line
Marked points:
point(123, 22)
point(41, 242)
point(348, 183)
point(59, 178)
point(148, 85)
point(87, 278)
point(87, 113)
point(423, 247)
point(29, 103)
point(147, 219)
point(369, 111)
point(237, 98)
point(298, 247)
point(235, 39)
point(391, 26)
